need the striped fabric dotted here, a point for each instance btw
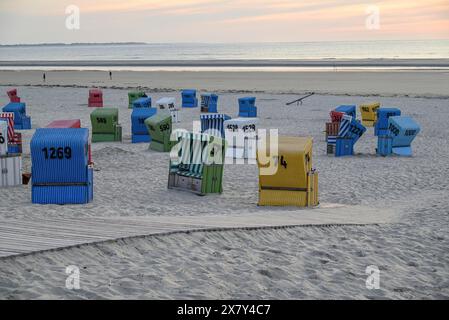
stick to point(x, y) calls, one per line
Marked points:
point(190, 163)
point(332, 140)
point(196, 167)
point(185, 153)
point(345, 125)
point(9, 116)
point(213, 124)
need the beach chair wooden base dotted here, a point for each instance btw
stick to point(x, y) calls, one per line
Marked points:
point(384, 146)
point(64, 194)
point(10, 170)
point(297, 197)
point(331, 149)
point(140, 138)
point(108, 137)
point(209, 182)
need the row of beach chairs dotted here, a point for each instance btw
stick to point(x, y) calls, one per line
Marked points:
point(395, 132)
point(209, 102)
point(62, 168)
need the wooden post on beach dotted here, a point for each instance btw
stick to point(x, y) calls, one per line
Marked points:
point(300, 100)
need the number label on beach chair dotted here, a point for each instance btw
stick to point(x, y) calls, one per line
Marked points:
point(57, 153)
point(249, 128)
point(357, 131)
point(102, 120)
point(2, 139)
point(365, 109)
point(394, 129)
point(283, 162)
point(164, 127)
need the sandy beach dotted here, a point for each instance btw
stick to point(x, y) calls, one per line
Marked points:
point(416, 83)
point(288, 263)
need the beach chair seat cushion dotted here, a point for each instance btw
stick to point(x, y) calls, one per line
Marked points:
point(191, 174)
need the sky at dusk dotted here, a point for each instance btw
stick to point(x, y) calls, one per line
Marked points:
point(31, 21)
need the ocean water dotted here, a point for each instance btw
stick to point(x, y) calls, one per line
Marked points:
point(422, 49)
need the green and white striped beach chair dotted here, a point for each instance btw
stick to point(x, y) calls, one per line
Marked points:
point(199, 165)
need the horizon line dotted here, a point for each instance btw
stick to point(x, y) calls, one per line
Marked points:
point(192, 42)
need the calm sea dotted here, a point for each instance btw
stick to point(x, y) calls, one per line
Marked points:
point(433, 49)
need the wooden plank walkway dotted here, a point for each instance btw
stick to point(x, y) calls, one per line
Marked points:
point(32, 235)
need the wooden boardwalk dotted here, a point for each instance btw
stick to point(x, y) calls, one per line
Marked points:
point(26, 236)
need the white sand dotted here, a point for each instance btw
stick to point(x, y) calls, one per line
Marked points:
point(295, 263)
point(385, 83)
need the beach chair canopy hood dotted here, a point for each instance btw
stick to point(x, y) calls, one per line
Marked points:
point(213, 124)
point(134, 95)
point(95, 98)
point(209, 103)
point(189, 99)
point(144, 102)
point(60, 166)
point(105, 126)
point(369, 113)
point(383, 114)
point(59, 155)
point(21, 120)
point(350, 110)
point(241, 137)
point(247, 107)
point(159, 128)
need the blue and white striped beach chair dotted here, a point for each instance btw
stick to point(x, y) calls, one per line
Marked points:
point(213, 124)
point(349, 133)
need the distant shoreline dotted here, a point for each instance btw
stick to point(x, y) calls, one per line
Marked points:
point(71, 44)
point(330, 63)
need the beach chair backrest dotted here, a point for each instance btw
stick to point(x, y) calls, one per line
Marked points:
point(19, 109)
point(350, 110)
point(336, 116)
point(159, 125)
point(104, 120)
point(403, 130)
point(383, 114)
point(144, 102)
point(138, 118)
point(60, 155)
point(351, 128)
point(191, 156)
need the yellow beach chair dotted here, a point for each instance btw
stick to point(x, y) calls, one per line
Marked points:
point(369, 113)
point(295, 182)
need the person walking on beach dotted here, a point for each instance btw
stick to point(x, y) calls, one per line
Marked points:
point(110, 75)
point(43, 76)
